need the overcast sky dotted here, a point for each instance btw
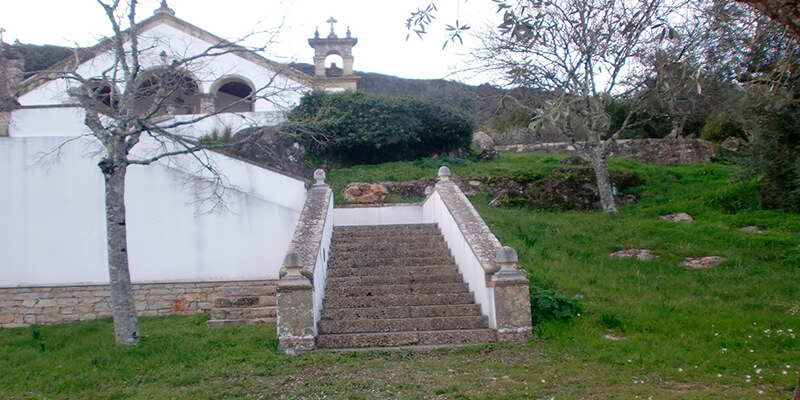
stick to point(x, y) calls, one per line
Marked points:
point(378, 25)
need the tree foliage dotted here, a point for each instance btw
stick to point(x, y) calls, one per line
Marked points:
point(355, 128)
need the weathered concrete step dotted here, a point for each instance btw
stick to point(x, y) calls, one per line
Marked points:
point(410, 270)
point(383, 279)
point(396, 339)
point(386, 245)
point(399, 252)
point(244, 313)
point(392, 262)
point(262, 290)
point(398, 236)
point(228, 322)
point(447, 310)
point(384, 228)
point(403, 324)
point(398, 300)
point(334, 290)
point(244, 301)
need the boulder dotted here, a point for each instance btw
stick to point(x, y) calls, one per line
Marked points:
point(732, 143)
point(365, 193)
point(574, 160)
point(679, 217)
point(268, 147)
point(640, 254)
point(695, 263)
point(482, 141)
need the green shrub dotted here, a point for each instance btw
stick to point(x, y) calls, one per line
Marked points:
point(547, 305)
point(718, 128)
point(356, 128)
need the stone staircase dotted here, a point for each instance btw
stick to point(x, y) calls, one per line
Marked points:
point(244, 305)
point(396, 286)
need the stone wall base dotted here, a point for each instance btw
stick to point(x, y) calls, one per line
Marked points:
point(23, 306)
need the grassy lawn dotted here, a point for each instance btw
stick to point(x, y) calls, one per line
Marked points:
point(676, 334)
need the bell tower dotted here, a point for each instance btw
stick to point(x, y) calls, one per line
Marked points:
point(333, 45)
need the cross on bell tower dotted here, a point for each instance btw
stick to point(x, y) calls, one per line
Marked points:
point(332, 21)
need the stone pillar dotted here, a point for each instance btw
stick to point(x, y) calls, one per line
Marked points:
point(5, 122)
point(348, 65)
point(511, 298)
point(295, 298)
point(319, 66)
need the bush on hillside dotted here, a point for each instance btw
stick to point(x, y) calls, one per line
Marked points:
point(719, 127)
point(355, 128)
point(547, 305)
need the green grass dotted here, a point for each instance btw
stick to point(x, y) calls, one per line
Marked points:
point(681, 334)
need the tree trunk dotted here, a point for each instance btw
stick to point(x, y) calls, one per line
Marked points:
point(598, 162)
point(126, 325)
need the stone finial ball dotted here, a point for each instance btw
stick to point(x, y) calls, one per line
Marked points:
point(292, 260)
point(507, 254)
point(444, 171)
point(319, 176)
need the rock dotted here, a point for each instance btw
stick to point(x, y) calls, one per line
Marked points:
point(268, 147)
point(640, 254)
point(365, 193)
point(751, 229)
point(474, 183)
point(612, 337)
point(180, 305)
point(693, 263)
point(482, 141)
point(573, 160)
point(679, 217)
point(732, 143)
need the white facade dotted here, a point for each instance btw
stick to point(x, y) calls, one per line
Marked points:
point(53, 229)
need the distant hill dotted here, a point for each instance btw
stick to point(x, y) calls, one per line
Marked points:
point(480, 103)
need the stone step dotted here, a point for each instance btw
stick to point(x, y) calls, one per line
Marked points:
point(392, 262)
point(397, 339)
point(384, 244)
point(398, 300)
point(244, 301)
point(410, 270)
point(403, 324)
point(410, 289)
point(448, 310)
point(260, 290)
point(244, 313)
point(399, 252)
point(385, 279)
point(388, 228)
point(387, 236)
point(229, 322)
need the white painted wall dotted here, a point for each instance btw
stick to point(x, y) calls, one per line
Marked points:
point(435, 210)
point(53, 218)
point(56, 121)
point(321, 266)
point(380, 215)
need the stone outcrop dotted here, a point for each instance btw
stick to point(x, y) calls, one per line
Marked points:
point(639, 254)
point(751, 229)
point(653, 151)
point(678, 217)
point(267, 147)
point(365, 193)
point(483, 142)
point(695, 263)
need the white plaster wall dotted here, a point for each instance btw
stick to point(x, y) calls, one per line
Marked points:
point(57, 121)
point(435, 210)
point(53, 229)
point(321, 266)
point(382, 215)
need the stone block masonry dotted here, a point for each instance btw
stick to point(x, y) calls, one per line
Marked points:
point(23, 306)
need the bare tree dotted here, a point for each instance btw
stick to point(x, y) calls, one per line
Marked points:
point(127, 106)
point(586, 53)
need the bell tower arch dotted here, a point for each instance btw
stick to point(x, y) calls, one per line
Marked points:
point(333, 45)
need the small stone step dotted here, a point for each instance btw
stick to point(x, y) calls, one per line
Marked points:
point(244, 313)
point(416, 252)
point(385, 245)
point(229, 322)
point(385, 279)
point(411, 270)
point(398, 300)
point(403, 324)
point(244, 301)
point(396, 339)
point(447, 310)
point(392, 262)
point(260, 290)
point(432, 228)
point(409, 289)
